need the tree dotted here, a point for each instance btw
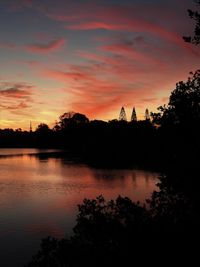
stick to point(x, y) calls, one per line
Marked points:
point(133, 116)
point(79, 118)
point(113, 233)
point(122, 115)
point(195, 15)
point(71, 118)
point(43, 135)
point(184, 103)
point(42, 128)
point(65, 118)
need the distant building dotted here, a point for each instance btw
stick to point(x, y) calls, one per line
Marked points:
point(30, 130)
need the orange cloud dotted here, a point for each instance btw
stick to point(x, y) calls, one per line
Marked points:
point(21, 105)
point(16, 97)
point(93, 94)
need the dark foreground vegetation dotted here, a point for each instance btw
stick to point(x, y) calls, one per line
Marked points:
point(121, 233)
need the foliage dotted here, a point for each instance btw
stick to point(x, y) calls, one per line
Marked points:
point(115, 232)
point(195, 15)
point(70, 119)
point(184, 104)
point(42, 128)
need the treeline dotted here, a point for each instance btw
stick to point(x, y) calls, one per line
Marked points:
point(170, 138)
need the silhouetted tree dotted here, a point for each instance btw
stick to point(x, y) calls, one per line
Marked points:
point(184, 104)
point(133, 116)
point(71, 118)
point(42, 128)
point(79, 118)
point(43, 136)
point(122, 115)
point(65, 118)
point(56, 127)
point(195, 15)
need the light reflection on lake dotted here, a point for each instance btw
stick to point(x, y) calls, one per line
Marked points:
point(39, 197)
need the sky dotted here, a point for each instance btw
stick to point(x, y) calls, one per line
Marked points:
point(91, 57)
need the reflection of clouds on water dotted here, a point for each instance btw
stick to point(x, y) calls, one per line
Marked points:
point(109, 174)
point(33, 175)
point(29, 175)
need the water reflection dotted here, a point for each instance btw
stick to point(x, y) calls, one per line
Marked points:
point(39, 196)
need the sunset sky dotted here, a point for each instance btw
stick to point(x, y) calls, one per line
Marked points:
point(90, 56)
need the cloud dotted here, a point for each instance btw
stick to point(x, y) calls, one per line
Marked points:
point(133, 18)
point(21, 105)
point(46, 48)
point(15, 90)
point(31, 63)
point(6, 45)
point(99, 15)
point(129, 51)
point(16, 101)
point(70, 76)
point(95, 94)
point(136, 60)
point(129, 72)
point(95, 26)
point(133, 25)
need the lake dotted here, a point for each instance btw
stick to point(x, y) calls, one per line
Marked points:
point(39, 193)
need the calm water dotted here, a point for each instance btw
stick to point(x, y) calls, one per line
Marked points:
point(39, 197)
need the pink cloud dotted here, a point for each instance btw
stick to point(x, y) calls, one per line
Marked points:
point(124, 62)
point(46, 48)
point(130, 52)
point(94, 26)
point(68, 76)
point(132, 25)
point(119, 74)
point(133, 18)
